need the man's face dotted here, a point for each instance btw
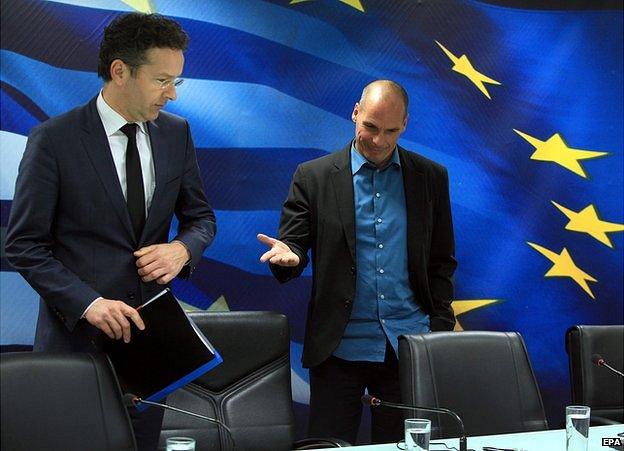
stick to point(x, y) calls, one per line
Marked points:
point(378, 125)
point(144, 96)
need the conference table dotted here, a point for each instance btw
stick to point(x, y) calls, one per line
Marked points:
point(552, 440)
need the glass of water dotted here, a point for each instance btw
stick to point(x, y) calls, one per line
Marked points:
point(417, 434)
point(180, 444)
point(577, 428)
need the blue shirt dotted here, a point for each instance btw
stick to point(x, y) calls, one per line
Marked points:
point(384, 306)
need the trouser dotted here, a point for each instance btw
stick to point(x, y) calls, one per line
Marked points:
point(336, 388)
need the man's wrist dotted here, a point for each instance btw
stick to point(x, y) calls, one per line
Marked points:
point(90, 305)
point(189, 257)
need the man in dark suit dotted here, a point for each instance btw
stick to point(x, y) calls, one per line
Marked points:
point(95, 195)
point(378, 221)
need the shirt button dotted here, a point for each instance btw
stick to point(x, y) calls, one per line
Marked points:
point(379, 220)
point(382, 297)
point(383, 321)
point(377, 195)
point(381, 271)
point(380, 246)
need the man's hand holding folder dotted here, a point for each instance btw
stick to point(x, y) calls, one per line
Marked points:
point(167, 354)
point(110, 317)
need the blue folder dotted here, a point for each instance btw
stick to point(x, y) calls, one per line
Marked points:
point(168, 354)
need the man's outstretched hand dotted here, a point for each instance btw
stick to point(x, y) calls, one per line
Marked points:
point(279, 254)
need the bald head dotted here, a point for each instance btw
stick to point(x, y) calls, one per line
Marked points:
point(380, 117)
point(385, 91)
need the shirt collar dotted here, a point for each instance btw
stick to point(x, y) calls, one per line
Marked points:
point(111, 119)
point(358, 160)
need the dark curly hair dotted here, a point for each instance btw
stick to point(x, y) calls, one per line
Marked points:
point(130, 36)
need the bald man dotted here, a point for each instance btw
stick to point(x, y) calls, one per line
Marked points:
point(378, 221)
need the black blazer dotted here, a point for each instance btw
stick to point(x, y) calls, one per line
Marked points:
point(69, 232)
point(319, 214)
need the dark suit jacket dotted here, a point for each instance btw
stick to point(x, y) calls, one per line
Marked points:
point(319, 214)
point(69, 231)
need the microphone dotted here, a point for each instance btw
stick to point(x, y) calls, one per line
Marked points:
point(372, 401)
point(598, 360)
point(131, 400)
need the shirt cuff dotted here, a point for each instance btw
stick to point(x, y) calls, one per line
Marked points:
point(87, 309)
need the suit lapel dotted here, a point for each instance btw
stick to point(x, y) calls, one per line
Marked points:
point(342, 181)
point(415, 207)
point(159, 145)
point(96, 145)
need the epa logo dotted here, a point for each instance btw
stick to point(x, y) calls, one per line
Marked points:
point(612, 441)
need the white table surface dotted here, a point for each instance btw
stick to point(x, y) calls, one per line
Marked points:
point(553, 440)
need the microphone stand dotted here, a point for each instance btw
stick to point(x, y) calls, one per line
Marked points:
point(602, 362)
point(132, 401)
point(463, 441)
point(186, 412)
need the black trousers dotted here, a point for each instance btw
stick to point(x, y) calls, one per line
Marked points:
point(336, 388)
point(146, 426)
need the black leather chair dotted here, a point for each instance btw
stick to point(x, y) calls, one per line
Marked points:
point(592, 385)
point(485, 377)
point(61, 402)
point(250, 391)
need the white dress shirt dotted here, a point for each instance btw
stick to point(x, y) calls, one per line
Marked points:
point(117, 141)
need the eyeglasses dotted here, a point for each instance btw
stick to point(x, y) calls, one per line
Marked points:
point(166, 84)
point(162, 83)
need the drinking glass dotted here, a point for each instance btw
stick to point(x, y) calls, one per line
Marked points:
point(180, 444)
point(417, 434)
point(577, 428)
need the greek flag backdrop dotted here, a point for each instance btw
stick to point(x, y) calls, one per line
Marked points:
point(521, 102)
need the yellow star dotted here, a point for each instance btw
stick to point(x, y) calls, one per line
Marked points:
point(556, 150)
point(464, 306)
point(587, 221)
point(220, 305)
point(144, 6)
point(357, 4)
point(188, 308)
point(564, 267)
point(463, 66)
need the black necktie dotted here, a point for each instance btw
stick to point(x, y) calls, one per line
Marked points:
point(135, 196)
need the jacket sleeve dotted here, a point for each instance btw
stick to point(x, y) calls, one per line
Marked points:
point(295, 226)
point(196, 220)
point(442, 263)
point(30, 238)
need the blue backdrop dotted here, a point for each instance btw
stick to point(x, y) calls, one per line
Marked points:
point(523, 106)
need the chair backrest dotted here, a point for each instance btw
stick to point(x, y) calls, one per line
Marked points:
point(485, 377)
point(62, 402)
point(592, 385)
point(250, 391)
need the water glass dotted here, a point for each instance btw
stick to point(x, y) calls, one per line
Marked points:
point(417, 434)
point(577, 428)
point(180, 444)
